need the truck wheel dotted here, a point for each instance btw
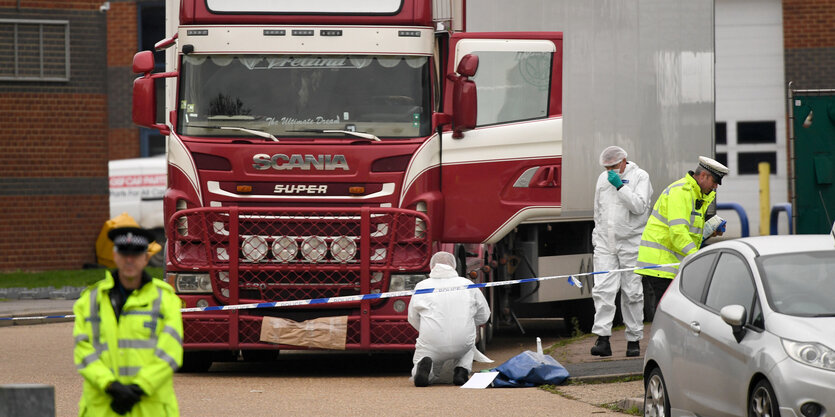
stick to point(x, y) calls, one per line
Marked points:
point(579, 316)
point(259, 355)
point(461, 260)
point(485, 335)
point(196, 362)
point(482, 339)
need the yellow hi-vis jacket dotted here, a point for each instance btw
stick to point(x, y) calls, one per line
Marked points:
point(144, 347)
point(674, 228)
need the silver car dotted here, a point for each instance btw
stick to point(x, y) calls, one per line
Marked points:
point(746, 328)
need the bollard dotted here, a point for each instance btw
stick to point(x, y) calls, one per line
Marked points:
point(765, 197)
point(27, 400)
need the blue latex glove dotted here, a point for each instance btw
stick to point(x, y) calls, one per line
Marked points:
point(614, 179)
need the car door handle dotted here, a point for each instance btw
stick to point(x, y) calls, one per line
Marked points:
point(695, 328)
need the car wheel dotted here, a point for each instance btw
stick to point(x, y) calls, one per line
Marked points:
point(763, 401)
point(656, 402)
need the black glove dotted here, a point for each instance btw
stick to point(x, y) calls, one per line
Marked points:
point(124, 396)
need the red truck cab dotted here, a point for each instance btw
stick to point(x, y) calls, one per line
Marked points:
point(329, 148)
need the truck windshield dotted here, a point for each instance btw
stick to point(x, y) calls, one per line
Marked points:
point(305, 96)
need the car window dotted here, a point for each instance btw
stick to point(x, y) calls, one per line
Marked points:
point(731, 284)
point(694, 275)
point(800, 284)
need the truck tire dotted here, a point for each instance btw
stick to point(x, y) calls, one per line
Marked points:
point(485, 335)
point(259, 355)
point(579, 314)
point(196, 362)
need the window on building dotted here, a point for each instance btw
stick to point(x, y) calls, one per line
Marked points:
point(34, 50)
point(722, 158)
point(151, 142)
point(152, 30)
point(721, 133)
point(756, 132)
point(748, 162)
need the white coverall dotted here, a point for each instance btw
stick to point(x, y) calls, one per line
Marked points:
point(619, 220)
point(446, 323)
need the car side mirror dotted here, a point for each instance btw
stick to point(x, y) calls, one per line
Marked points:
point(735, 315)
point(464, 97)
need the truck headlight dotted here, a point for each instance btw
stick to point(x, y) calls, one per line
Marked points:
point(314, 249)
point(405, 282)
point(285, 249)
point(193, 283)
point(810, 353)
point(254, 248)
point(343, 249)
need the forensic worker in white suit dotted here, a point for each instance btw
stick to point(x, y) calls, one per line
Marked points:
point(622, 204)
point(446, 323)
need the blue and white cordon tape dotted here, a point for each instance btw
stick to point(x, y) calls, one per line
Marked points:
point(572, 280)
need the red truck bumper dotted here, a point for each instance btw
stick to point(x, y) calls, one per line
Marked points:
point(218, 243)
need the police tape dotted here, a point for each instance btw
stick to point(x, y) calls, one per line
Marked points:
point(571, 279)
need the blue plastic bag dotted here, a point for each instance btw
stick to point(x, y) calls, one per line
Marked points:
point(529, 369)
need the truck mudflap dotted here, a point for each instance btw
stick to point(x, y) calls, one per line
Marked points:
point(254, 255)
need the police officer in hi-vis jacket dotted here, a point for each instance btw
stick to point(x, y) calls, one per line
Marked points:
point(128, 336)
point(675, 225)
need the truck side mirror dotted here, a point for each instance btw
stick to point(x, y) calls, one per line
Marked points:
point(143, 62)
point(464, 97)
point(145, 93)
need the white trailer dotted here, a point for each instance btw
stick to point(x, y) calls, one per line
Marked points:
point(636, 73)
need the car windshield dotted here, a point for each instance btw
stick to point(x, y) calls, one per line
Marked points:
point(304, 96)
point(800, 284)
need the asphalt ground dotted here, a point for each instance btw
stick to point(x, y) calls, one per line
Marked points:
point(594, 380)
point(574, 355)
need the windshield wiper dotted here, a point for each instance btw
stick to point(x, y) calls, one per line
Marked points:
point(259, 133)
point(363, 135)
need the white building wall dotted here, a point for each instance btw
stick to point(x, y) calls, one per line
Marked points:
point(750, 87)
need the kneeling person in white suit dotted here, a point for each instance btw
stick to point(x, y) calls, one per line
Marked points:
point(446, 324)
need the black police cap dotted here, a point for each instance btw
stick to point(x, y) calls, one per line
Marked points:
point(130, 240)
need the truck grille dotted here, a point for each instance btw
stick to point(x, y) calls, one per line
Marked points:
point(289, 254)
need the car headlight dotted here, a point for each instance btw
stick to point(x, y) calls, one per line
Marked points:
point(405, 282)
point(810, 353)
point(193, 283)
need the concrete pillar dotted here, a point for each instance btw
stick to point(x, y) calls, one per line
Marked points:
point(27, 400)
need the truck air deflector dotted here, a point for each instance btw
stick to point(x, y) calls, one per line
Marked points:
point(265, 39)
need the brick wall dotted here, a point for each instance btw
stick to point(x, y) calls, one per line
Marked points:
point(54, 147)
point(122, 44)
point(809, 41)
point(808, 23)
point(43, 232)
point(124, 143)
point(122, 41)
point(52, 4)
point(53, 135)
